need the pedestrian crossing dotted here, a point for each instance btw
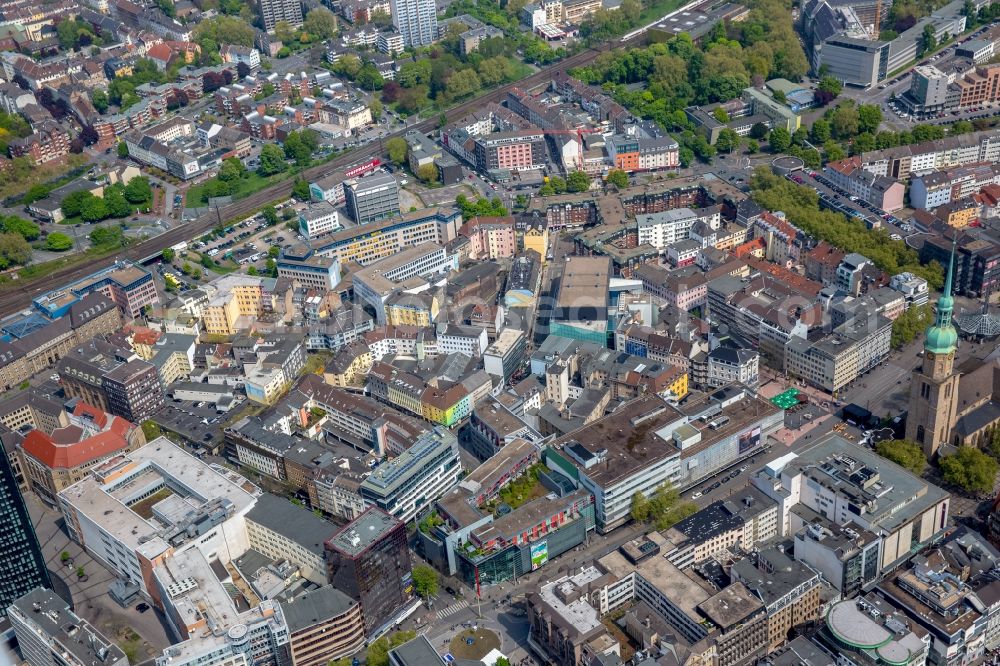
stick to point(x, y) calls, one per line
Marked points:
point(451, 610)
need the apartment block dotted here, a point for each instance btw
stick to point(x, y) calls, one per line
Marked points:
point(905, 161)
point(283, 531)
point(133, 390)
point(379, 280)
point(301, 264)
point(410, 482)
point(204, 619)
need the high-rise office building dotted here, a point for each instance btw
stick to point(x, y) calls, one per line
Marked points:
point(272, 11)
point(369, 561)
point(416, 21)
point(133, 390)
point(372, 198)
point(22, 567)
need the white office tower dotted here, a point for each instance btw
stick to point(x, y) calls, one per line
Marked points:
point(416, 21)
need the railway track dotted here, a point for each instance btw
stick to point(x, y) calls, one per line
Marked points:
point(19, 295)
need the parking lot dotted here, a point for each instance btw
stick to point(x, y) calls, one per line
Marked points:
point(834, 198)
point(195, 422)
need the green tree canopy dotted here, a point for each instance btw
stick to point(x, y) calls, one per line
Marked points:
point(618, 178)
point(12, 224)
point(106, 237)
point(396, 146)
point(93, 210)
point(138, 190)
point(58, 242)
point(428, 173)
point(578, 181)
point(272, 160)
point(480, 208)
point(224, 30)
point(907, 326)
point(779, 140)
point(969, 469)
point(378, 652)
point(425, 581)
point(14, 250)
point(904, 453)
point(320, 22)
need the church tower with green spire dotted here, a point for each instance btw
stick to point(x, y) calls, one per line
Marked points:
point(934, 385)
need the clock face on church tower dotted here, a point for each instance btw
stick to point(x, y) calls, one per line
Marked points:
point(930, 356)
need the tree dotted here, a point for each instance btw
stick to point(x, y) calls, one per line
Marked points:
point(969, 469)
point(107, 236)
point(231, 170)
point(928, 40)
point(578, 181)
point(397, 148)
point(151, 430)
point(115, 204)
point(639, 509)
point(224, 30)
point(907, 326)
point(138, 190)
point(122, 149)
point(463, 83)
point(320, 22)
point(869, 118)
point(728, 140)
point(618, 178)
point(830, 85)
point(758, 131)
point(844, 122)
point(378, 652)
point(93, 210)
point(272, 160)
point(36, 192)
point(779, 140)
point(720, 114)
point(425, 581)
point(168, 255)
point(270, 215)
point(904, 453)
point(99, 99)
point(58, 242)
point(14, 250)
point(284, 32)
point(73, 202)
point(820, 131)
point(369, 77)
point(12, 224)
point(300, 189)
point(428, 173)
point(376, 108)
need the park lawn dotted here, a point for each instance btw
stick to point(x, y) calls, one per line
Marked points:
point(197, 195)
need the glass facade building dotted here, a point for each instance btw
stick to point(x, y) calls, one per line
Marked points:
point(22, 567)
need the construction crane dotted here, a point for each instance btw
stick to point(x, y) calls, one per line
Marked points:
point(878, 18)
